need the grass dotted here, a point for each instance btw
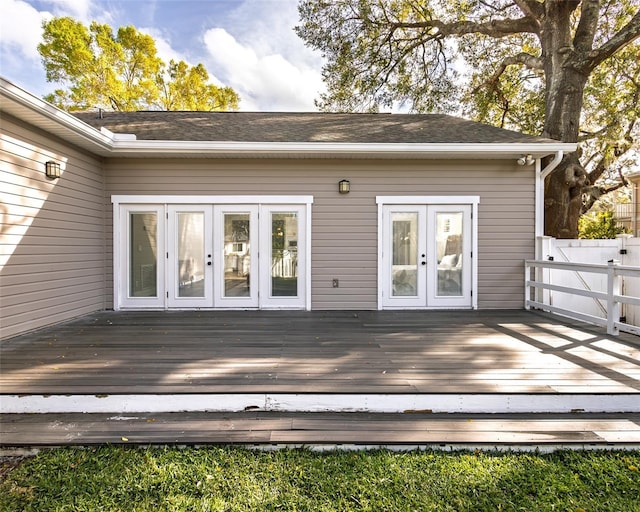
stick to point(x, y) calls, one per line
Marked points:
point(236, 479)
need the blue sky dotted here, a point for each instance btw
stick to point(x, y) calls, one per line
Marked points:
point(247, 44)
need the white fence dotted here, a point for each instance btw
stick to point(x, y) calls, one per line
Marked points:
point(593, 280)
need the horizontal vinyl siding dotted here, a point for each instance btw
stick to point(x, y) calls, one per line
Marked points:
point(52, 249)
point(345, 231)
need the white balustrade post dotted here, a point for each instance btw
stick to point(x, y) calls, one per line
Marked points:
point(613, 306)
point(527, 289)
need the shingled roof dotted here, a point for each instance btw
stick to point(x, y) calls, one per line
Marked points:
point(303, 127)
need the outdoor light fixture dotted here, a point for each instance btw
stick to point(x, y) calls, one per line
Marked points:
point(344, 186)
point(52, 170)
point(525, 160)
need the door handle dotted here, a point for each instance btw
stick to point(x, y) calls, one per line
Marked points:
point(209, 263)
point(424, 262)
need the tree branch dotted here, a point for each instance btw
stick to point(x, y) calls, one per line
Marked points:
point(531, 8)
point(585, 135)
point(526, 59)
point(586, 30)
point(594, 193)
point(622, 38)
point(494, 28)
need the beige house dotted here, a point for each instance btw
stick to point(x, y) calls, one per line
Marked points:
point(201, 210)
point(628, 214)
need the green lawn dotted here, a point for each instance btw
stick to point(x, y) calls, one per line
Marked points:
point(212, 478)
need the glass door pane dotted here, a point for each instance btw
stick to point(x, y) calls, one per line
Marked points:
point(143, 254)
point(449, 227)
point(404, 247)
point(237, 255)
point(284, 254)
point(191, 254)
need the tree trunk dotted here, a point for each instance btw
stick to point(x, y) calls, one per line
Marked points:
point(563, 198)
point(563, 105)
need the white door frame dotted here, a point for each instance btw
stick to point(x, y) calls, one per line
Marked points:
point(122, 204)
point(472, 201)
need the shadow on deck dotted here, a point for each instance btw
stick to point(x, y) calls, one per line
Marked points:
point(211, 376)
point(320, 352)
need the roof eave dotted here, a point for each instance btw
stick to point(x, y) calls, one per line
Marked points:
point(24, 105)
point(138, 148)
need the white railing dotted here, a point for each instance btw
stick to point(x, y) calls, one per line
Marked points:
point(539, 292)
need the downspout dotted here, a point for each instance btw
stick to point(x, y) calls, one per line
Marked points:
point(540, 177)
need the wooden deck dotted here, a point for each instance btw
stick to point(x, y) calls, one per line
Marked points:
point(407, 352)
point(327, 430)
point(286, 378)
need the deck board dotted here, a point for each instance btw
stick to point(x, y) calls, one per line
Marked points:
point(319, 428)
point(320, 352)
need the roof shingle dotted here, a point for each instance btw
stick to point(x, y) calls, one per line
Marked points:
point(302, 127)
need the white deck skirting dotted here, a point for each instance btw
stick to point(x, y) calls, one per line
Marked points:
point(318, 402)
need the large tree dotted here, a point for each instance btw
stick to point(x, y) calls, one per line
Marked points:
point(122, 71)
point(564, 69)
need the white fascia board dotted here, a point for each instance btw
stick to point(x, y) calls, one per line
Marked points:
point(13, 93)
point(154, 147)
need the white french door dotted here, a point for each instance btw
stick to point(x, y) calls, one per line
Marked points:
point(236, 256)
point(141, 257)
point(426, 259)
point(189, 255)
point(283, 256)
point(405, 256)
point(192, 256)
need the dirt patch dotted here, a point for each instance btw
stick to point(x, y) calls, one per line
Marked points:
point(9, 463)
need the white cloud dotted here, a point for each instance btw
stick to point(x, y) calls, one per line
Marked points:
point(250, 45)
point(78, 9)
point(260, 56)
point(24, 36)
point(165, 51)
point(268, 82)
point(21, 32)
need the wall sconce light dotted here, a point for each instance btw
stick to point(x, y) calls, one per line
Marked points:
point(525, 160)
point(52, 170)
point(344, 186)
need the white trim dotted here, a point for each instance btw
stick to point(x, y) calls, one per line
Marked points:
point(421, 200)
point(473, 201)
point(217, 199)
point(468, 150)
point(115, 262)
point(302, 204)
point(322, 402)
